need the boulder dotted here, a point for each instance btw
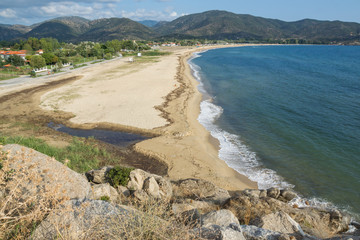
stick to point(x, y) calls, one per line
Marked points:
point(316, 222)
point(98, 176)
point(123, 191)
point(215, 232)
point(287, 195)
point(222, 218)
point(95, 219)
point(157, 185)
point(87, 219)
point(280, 222)
point(198, 189)
point(101, 190)
point(255, 233)
point(273, 193)
point(151, 187)
point(46, 173)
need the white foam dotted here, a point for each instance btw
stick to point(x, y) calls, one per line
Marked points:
point(239, 157)
point(232, 150)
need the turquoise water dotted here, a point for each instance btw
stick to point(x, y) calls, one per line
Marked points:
point(287, 116)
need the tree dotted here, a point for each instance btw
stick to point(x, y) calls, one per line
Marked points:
point(37, 61)
point(50, 58)
point(16, 60)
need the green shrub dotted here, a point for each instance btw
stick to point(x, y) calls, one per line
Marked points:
point(119, 176)
point(105, 198)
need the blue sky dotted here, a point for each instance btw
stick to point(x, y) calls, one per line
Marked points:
point(28, 12)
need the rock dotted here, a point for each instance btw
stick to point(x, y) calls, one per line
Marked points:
point(254, 193)
point(315, 222)
point(256, 233)
point(88, 219)
point(198, 189)
point(141, 195)
point(95, 219)
point(215, 232)
point(138, 178)
point(280, 222)
point(273, 193)
point(51, 175)
point(288, 195)
point(98, 176)
point(101, 190)
point(151, 187)
point(263, 193)
point(191, 217)
point(123, 191)
point(179, 208)
point(222, 218)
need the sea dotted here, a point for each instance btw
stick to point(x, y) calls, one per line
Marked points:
point(287, 116)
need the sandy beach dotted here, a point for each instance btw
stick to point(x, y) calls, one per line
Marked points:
point(151, 95)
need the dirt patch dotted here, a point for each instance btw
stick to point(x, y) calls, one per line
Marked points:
point(20, 115)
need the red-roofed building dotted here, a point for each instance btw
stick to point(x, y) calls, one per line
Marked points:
point(6, 54)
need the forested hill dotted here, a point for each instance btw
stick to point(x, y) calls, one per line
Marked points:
point(215, 25)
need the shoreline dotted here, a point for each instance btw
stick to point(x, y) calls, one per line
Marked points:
point(181, 142)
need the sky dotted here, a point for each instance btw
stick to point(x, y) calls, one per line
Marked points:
point(28, 12)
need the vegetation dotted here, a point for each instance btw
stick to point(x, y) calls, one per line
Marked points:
point(119, 176)
point(81, 155)
point(210, 25)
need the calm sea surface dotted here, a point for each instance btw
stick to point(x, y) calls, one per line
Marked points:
point(287, 116)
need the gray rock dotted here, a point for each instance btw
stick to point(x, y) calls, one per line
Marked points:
point(123, 191)
point(252, 193)
point(138, 178)
point(198, 189)
point(151, 187)
point(51, 175)
point(273, 193)
point(232, 232)
point(88, 219)
point(141, 195)
point(280, 222)
point(256, 233)
point(288, 195)
point(98, 176)
point(222, 218)
point(215, 232)
point(100, 190)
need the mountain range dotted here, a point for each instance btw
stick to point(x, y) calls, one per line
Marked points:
point(213, 25)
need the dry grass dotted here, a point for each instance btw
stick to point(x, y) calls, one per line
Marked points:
point(21, 208)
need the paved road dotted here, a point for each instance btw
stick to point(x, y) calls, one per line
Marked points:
point(17, 83)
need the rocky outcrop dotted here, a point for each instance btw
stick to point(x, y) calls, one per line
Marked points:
point(105, 190)
point(87, 219)
point(98, 176)
point(198, 189)
point(153, 185)
point(208, 210)
point(45, 173)
point(251, 207)
point(222, 218)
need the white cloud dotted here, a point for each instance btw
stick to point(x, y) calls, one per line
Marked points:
point(8, 13)
point(65, 9)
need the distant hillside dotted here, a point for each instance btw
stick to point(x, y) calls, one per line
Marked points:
point(116, 28)
point(216, 25)
point(148, 23)
point(7, 34)
point(53, 29)
point(222, 24)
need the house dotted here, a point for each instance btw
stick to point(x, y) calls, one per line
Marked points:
point(6, 54)
point(39, 52)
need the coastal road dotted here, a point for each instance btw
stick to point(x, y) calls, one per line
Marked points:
point(26, 81)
